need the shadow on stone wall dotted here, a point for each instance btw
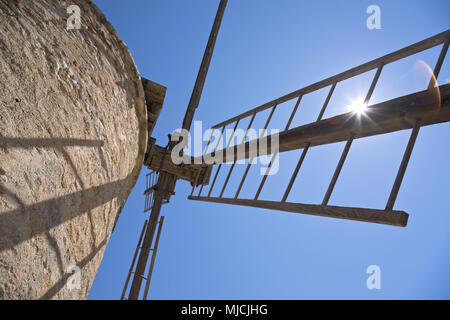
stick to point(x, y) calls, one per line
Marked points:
point(27, 221)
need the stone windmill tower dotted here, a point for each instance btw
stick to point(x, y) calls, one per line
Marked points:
point(73, 133)
point(75, 123)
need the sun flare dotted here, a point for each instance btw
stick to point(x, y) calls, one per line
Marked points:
point(358, 106)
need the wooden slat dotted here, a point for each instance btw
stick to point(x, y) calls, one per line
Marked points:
point(294, 111)
point(133, 262)
point(295, 173)
point(403, 165)
point(261, 185)
point(215, 148)
point(251, 160)
point(152, 261)
point(438, 66)
point(220, 165)
point(337, 172)
point(389, 217)
point(202, 73)
point(234, 163)
point(327, 101)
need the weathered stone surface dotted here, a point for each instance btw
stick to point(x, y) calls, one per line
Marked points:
point(72, 140)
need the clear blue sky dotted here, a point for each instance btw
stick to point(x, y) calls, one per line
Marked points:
point(266, 49)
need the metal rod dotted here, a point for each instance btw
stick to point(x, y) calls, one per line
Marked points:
point(152, 262)
point(251, 160)
point(394, 218)
point(403, 165)
point(133, 261)
point(234, 163)
point(438, 66)
point(337, 172)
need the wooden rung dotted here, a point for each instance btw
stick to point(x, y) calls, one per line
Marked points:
point(402, 168)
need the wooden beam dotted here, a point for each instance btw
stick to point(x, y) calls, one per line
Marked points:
point(389, 217)
point(159, 159)
point(154, 98)
point(429, 106)
point(202, 73)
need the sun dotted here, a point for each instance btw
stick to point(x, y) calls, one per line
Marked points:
point(358, 106)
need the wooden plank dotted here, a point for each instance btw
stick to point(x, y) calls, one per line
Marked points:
point(389, 217)
point(384, 60)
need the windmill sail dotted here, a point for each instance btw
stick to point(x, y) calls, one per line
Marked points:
point(413, 111)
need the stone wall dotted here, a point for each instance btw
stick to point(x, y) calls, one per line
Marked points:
point(72, 140)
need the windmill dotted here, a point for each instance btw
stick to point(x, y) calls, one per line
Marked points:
point(410, 112)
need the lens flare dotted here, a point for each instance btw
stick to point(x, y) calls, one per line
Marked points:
point(358, 106)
